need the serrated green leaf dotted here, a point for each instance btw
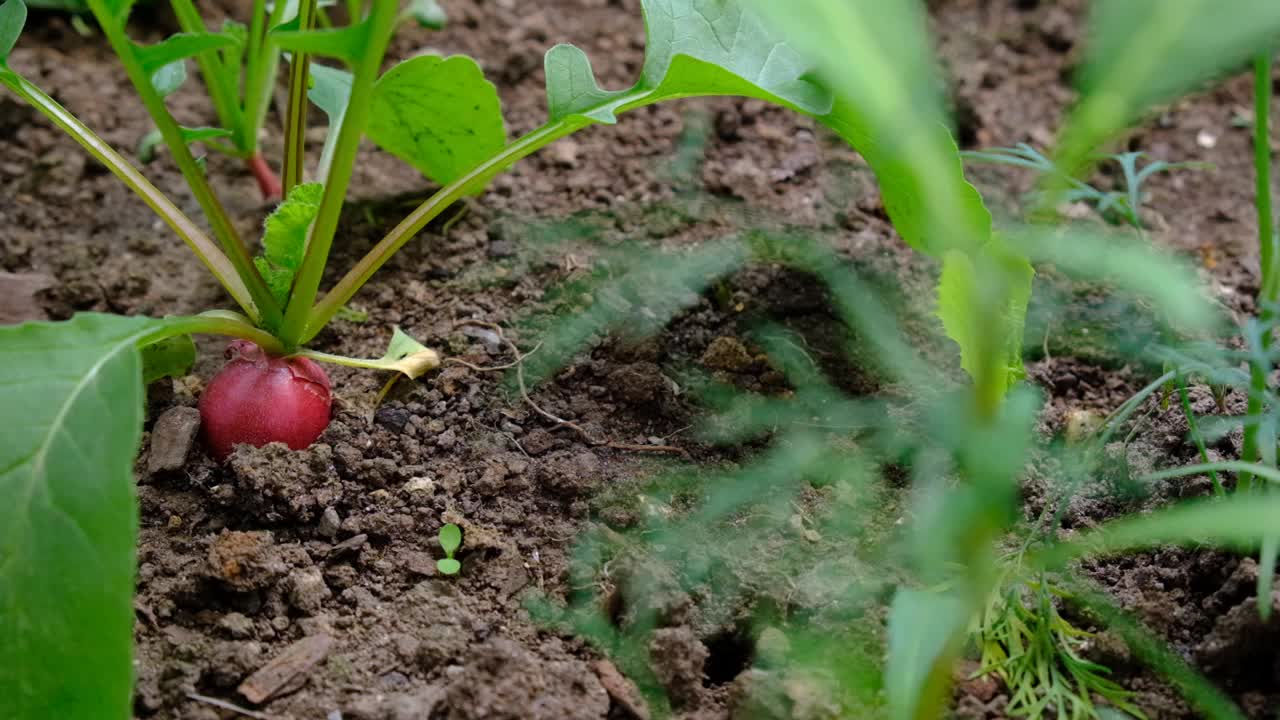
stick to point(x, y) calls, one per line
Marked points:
point(439, 115)
point(572, 88)
point(450, 538)
point(284, 239)
point(72, 398)
point(170, 357)
point(179, 47)
point(13, 17)
point(924, 631)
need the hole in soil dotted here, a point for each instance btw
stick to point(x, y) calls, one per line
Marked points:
point(728, 654)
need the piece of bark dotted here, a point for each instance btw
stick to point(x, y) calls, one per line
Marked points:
point(276, 675)
point(18, 301)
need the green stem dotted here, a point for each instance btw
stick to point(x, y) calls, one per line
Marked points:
point(260, 69)
point(223, 230)
point(426, 212)
point(380, 24)
point(1267, 255)
point(217, 78)
point(1194, 429)
point(217, 323)
point(295, 129)
point(183, 226)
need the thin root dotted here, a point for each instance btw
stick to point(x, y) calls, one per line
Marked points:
point(560, 422)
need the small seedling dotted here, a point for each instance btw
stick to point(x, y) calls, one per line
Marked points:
point(450, 540)
point(1114, 206)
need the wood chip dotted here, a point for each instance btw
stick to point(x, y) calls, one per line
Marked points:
point(622, 691)
point(296, 659)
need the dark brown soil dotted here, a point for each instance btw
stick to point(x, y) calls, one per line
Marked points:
point(334, 547)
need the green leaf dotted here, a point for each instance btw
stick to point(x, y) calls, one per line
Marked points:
point(448, 566)
point(428, 14)
point(693, 48)
point(450, 538)
point(13, 17)
point(284, 239)
point(72, 398)
point(924, 630)
point(179, 47)
point(169, 77)
point(439, 115)
point(76, 6)
point(1145, 52)
point(169, 357)
point(147, 145)
point(997, 338)
point(330, 90)
point(346, 44)
point(1240, 521)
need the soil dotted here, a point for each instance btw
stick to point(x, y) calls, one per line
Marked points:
point(304, 584)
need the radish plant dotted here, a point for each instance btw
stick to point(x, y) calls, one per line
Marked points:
point(72, 391)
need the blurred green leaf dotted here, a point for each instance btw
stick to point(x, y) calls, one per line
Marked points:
point(1144, 52)
point(169, 77)
point(924, 631)
point(178, 47)
point(72, 397)
point(439, 115)
point(13, 17)
point(428, 14)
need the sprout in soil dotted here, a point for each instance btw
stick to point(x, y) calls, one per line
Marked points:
point(450, 540)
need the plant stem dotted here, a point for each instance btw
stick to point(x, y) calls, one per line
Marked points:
point(295, 129)
point(1194, 429)
point(200, 244)
point(1267, 255)
point(379, 26)
point(217, 77)
point(217, 323)
point(426, 212)
point(223, 230)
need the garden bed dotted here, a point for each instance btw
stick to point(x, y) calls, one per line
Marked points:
point(329, 554)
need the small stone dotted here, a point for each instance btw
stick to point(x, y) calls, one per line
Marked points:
point(772, 647)
point(171, 439)
point(487, 337)
point(307, 591)
point(420, 563)
point(393, 417)
point(420, 485)
point(499, 249)
point(236, 625)
point(564, 153)
point(329, 524)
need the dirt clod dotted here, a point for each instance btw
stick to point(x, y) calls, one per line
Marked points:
point(246, 560)
point(678, 657)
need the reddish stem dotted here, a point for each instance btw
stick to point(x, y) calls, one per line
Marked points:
point(268, 181)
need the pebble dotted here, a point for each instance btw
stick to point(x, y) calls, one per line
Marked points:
point(172, 438)
point(237, 625)
point(307, 591)
point(330, 521)
point(423, 485)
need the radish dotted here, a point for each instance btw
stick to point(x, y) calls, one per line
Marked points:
point(257, 399)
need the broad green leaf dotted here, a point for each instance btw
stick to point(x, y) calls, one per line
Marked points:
point(13, 16)
point(169, 357)
point(72, 398)
point(1144, 52)
point(448, 566)
point(693, 48)
point(961, 289)
point(450, 538)
point(1240, 521)
point(178, 47)
point(439, 115)
point(76, 6)
point(925, 629)
point(284, 240)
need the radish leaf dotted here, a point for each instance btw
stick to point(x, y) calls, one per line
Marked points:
point(284, 240)
point(168, 357)
point(72, 395)
point(13, 16)
point(439, 115)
